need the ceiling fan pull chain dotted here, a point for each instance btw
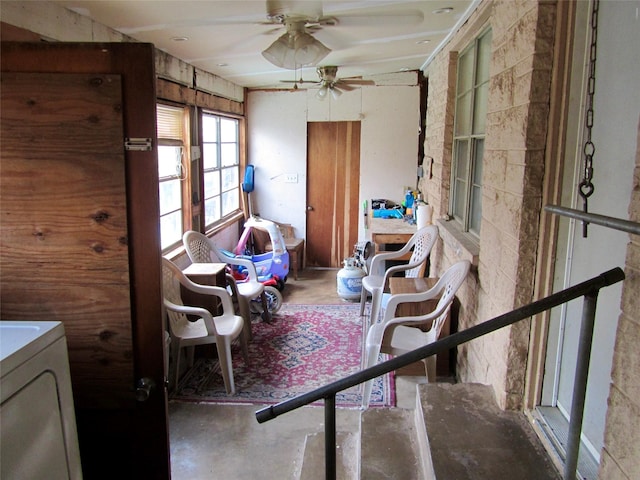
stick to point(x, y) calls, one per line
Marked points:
point(586, 186)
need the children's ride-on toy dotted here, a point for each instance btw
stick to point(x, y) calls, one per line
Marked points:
point(270, 282)
point(272, 267)
point(275, 262)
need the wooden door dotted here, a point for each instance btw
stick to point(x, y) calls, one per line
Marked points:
point(333, 169)
point(80, 237)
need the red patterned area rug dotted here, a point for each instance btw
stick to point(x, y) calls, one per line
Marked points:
point(305, 347)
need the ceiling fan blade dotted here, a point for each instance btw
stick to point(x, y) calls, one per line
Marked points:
point(356, 81)
point(271, 31)
point(408, 17)
point(200, 22)
point(315, 82)
point(343, 86)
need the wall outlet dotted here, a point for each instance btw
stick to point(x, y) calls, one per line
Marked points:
point(291, 178)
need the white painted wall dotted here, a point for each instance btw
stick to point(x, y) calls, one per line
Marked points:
point(277, 143)
point(277, 133)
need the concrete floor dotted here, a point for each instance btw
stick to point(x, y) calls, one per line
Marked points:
point(226, 442)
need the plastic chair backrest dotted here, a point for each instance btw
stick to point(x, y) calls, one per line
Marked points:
point(178, 322)
point(200, 248)
point(170, 282)
point(445, 289)
point(450, 282)
point(423, 242)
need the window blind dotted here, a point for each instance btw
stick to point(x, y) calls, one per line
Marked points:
point(170, 124)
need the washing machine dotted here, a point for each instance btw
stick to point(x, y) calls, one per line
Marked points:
point(38, 437)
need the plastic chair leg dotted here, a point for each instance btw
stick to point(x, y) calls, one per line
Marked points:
point(363, 300)
point(376, 300)
point(430, 366)
point(175, 351)
point(266, 314)
point(224, 356)
point(373, 351)
point(245, 338)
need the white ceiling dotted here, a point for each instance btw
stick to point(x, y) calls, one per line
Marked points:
point(227, 37)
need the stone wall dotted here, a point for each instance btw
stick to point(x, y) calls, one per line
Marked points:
point(518, 108)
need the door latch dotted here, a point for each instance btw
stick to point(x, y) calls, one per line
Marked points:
point(138, 144)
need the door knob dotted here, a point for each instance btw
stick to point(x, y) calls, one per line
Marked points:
point(143, 389)
point(309, 208)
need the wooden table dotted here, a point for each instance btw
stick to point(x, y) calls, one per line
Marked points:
point(390, 231)
point(212, 274)
point(418, 285)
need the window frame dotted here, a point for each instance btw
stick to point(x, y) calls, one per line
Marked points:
point(167, 136)
point(463, 208)
point(224, 218)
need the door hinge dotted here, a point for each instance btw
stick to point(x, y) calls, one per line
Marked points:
point(137, 144)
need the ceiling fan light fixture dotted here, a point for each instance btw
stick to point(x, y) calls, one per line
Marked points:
point(295, 49)
point(335, 93)
point(322, 93)
point(311, 53)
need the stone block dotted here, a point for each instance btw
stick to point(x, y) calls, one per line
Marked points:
point(609, 469)
point(622, 434)
point(502, 90)
point(509, 263)
point(515, 174)
point(626, 361)
point(506, 130)
point(630, 297)
point(634, 205)
point(536, 132)
point(495, 169)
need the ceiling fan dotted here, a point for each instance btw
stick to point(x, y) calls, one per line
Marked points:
point(298, 47)
point(330, 83)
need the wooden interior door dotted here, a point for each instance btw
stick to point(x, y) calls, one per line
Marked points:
point(333, 188)
point(80, 237)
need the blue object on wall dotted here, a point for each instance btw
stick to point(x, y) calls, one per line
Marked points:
point(247, 185)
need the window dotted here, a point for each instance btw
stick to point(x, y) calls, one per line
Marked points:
point(172, 172)
point(206, 185)
point(221, 166)
point(469, 133)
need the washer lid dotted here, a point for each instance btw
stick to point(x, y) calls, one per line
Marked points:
point(21, 340)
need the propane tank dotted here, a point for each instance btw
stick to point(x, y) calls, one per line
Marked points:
point(349, 280)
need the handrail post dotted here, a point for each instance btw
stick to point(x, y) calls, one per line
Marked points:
point(580, 385)
point(330, 437)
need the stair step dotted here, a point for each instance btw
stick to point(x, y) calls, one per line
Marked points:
point(389, 448)
point(471, 438)
point(347, 452)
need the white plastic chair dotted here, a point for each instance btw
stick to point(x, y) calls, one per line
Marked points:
point(403, 338)
point(422, 242)
point(207, 329)
point(202, 249)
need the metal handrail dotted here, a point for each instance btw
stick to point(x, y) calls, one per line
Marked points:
point(602, 220)
point(589, 289)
